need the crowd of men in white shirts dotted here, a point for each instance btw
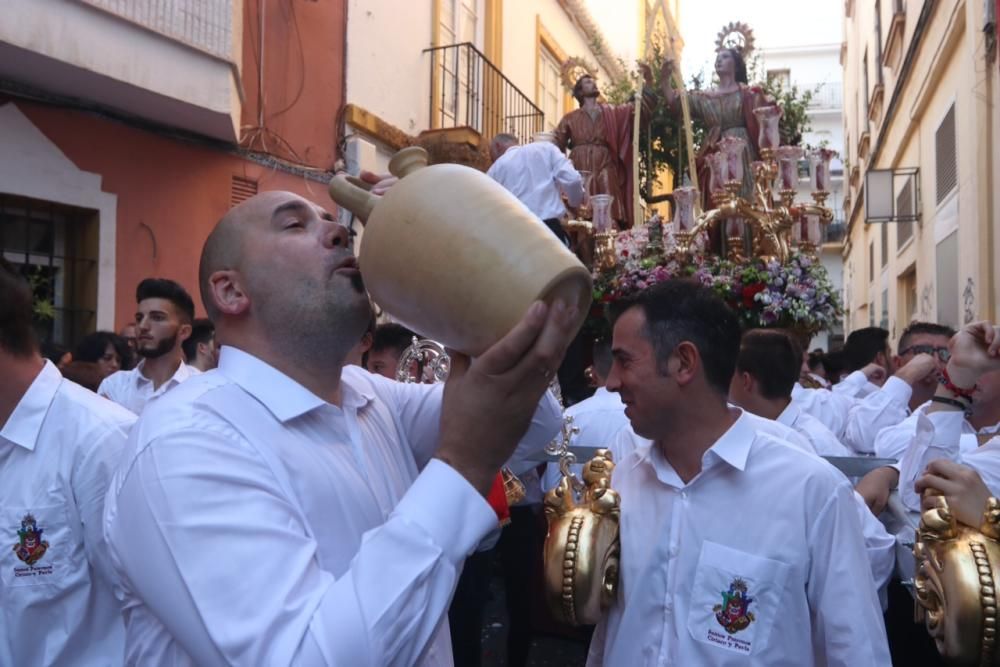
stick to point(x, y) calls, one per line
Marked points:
point(290, 508)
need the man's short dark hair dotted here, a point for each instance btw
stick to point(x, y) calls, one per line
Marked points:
point(391, 336)
point(202, 331)
point(91, 347)
point(863, 345)
point(929, 328)
point(17, 336)
point(602, 357)
point(685, 310)
point(164, 288)
point(773, 359)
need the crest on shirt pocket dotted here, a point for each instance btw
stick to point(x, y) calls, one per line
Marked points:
point(734, 613)
point(30, 547)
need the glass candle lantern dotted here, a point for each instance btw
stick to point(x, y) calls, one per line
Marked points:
point(788, 165)
point(768, 118)
point(601, 208)
point(821, 159)
point(733, 148)
point(684, 209)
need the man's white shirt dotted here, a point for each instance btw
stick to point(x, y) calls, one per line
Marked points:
point(132, 390)
point(763, 523)
point(536, 173)
point(819, 436)
point(599, 419)
point(256, 524)
point(58, 452)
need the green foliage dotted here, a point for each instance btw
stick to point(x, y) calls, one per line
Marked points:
point(41, 289)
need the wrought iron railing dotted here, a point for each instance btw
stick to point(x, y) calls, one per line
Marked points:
point(467, 90)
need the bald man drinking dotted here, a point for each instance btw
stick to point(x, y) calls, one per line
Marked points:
point(288, 509)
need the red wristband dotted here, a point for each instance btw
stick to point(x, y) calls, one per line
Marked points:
point(950, 386)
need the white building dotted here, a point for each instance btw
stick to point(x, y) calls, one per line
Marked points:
point(817, 68)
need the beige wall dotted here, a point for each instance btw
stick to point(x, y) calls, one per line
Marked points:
point(948, 69)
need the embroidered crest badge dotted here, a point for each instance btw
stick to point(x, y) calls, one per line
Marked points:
point(734, 613)
point(30, 547)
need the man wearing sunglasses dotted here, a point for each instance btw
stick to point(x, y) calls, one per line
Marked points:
point(923, 353)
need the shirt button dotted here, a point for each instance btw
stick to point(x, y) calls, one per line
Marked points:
point(684, 495)
point(673, 550)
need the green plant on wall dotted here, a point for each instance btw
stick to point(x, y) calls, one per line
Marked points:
point(42, 292)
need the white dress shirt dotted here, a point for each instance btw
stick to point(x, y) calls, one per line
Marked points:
point(536, 173)
point(946, 434)
point(880, 545)
point(829, 407)
point(256, 524)
point(823, 441)
point(763, 516)
point(599, 419)
point(132, 390)
point(58, 451)
point(880, 409)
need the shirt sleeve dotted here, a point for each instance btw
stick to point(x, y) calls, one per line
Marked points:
point(95, 466)
point(829, 408)
point(847, 620)
point(852, 385)
point(886, 407)
point(209, 540)
point(566, 177)
point(891, 442)
point(938, 436)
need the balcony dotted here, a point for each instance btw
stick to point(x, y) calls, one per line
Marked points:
point(468, 91)
point(826, 96)
point(834, 232)
point(172, 62)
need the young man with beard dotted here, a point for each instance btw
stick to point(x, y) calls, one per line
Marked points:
point(736, 547)
point(163, 322)
point(287, 508)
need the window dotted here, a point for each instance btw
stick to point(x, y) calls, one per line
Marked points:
point(871, 314)
point(458, 22)
point(885, 244)
point(884, 321)
point(781, 77)
point(904, 208)
point(871, 262)
point(946, 159)
point(550, 91)
point(878, 41)
point(864, 111)
point(56, 246)
point(946, 264)
point(908, 294)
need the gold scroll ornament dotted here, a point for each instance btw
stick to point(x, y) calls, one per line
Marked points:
point(582, 546)
point(956, 583)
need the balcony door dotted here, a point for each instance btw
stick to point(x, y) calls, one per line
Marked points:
point(458, 71)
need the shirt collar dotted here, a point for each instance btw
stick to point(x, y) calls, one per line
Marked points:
point(285, 398)
point(733, 447)
point(182, 373)
point(789, 415)
point(25, 423)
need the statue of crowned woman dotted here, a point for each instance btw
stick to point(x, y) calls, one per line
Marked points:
point(726, 111)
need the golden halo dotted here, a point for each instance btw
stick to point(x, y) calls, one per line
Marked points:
point(573, 68)
point(737, 36)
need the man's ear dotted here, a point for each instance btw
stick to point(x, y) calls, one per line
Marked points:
point(227, 292)
point(685, 362)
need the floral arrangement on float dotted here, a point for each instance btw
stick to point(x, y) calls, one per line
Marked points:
point(760, 255)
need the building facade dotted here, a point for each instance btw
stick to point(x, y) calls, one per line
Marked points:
point(921, 128)
point(130, 128)
point(450, 74)
point(817, 69)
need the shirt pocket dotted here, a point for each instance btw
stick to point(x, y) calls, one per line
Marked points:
point(735, 598)
point(36, 545)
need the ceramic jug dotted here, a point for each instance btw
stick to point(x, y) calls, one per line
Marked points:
point(453, 255)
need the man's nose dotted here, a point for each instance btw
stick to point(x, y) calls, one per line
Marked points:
point(336, 235)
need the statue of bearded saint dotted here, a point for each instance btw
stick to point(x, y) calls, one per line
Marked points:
point(599, 139)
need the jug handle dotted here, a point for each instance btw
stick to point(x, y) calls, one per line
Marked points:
point(354, 199)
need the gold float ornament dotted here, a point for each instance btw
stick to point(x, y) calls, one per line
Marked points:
point(582, 546)
point(956, 583)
